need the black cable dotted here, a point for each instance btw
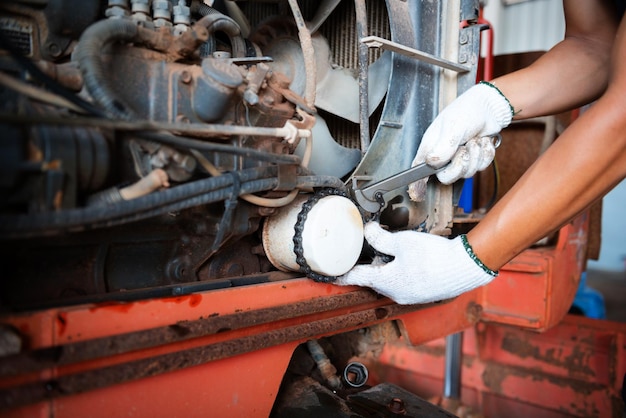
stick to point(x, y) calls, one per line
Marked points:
point(16, 225)
point(249, 187)
point(189, 143)
point(201, 192)
point(229, 208)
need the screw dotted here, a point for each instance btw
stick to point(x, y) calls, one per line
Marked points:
point(54, 50)
point(396, 405)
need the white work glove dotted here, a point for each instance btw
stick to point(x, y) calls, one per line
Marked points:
point(462, 133)
point(426, 268)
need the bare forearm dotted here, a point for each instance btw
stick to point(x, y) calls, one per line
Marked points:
point(548, 88)
point(587, 160)
point(580, 167)
point(574, 72)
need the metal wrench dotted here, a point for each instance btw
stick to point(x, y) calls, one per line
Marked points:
point(371, 197)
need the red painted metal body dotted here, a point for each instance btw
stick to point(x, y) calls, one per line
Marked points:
point(226, 351)
point(575, 369)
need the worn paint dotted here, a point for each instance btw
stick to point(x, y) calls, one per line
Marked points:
point(575, 363)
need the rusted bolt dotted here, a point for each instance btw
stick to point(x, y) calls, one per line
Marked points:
point(185, 77)
point(396, 405)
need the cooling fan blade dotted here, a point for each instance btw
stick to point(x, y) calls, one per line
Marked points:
point(337, 90)
point(327, 156)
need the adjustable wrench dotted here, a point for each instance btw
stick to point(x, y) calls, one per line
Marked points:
point(371, 197)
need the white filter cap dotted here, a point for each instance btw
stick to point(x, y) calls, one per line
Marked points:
point(332, 238)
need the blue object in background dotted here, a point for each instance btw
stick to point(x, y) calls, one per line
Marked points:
point(466, 201)
point(588, 302)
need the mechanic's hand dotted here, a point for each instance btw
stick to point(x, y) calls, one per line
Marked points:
point(426, 267)
point(462, 133)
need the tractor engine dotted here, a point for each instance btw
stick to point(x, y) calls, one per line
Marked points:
point(147, 143)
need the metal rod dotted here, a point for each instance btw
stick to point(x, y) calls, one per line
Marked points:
point(200, 130)
point(361, 29)
point(378, 42)
point(308, 53)
point(454, 357)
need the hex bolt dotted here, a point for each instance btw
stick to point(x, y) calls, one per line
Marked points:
point(355, 374)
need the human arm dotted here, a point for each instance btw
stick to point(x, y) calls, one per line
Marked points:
point(573, 73)
point(586, 161)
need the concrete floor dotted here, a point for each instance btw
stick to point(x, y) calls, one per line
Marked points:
point(612, 285)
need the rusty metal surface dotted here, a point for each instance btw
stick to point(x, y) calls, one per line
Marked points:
point(388, 400)
point(82, 381)
point(181, 331)
point(84, 349)
point(575, 369)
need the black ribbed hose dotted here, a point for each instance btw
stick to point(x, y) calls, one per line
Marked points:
point(185, 196)
point(89, 56)
point(33, 224)
point(217, 22)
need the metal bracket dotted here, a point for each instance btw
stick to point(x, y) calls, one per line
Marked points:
point(378, 42)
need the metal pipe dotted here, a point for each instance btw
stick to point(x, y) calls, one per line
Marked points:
point(199, 130)
point(310, 66)
point(363, 49)
point(453, 362)
point(326, 368)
